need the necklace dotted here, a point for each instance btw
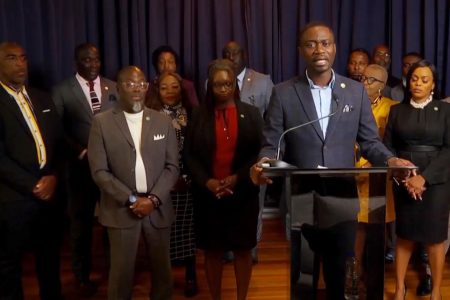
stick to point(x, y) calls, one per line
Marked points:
point(421, 105)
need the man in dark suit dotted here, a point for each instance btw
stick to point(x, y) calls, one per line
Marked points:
point(77, 99)
point(29, 135)
point(133, 154)
point(329, 142)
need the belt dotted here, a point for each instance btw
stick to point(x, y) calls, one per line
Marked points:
point(420, 148)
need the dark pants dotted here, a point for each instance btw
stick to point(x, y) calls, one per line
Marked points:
point(332, 235)
point(26, 225)
point(83, 195)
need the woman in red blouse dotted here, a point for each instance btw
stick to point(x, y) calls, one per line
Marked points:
point(223, 141)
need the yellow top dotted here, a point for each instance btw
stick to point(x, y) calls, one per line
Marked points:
point(380, 112)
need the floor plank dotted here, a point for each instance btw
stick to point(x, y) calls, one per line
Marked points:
point(269, 280)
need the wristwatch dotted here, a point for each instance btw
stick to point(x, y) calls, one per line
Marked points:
point(131, 199)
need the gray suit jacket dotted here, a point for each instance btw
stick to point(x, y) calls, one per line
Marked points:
point(112, 158)
point(292, 104)
point(256, 89)
point(75, 112)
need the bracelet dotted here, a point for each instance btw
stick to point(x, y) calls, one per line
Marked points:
point(156, 202)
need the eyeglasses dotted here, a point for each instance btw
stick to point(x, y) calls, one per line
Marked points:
point(135, 85)
point(225, 84)
point(369, 80)
point(382, 54)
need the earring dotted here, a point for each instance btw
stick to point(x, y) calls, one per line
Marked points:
point(432, 92)
point(379, 92)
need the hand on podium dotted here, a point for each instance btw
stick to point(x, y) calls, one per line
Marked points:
point(256, 172)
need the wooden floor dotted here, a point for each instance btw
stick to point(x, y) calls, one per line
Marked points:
point(269, 280)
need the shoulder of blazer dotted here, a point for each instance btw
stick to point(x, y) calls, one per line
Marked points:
point(107, 82)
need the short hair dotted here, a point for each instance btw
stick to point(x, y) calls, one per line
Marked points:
point(81, 47)
point(361, 50)
point(415, 54)
point(420, 64)
point(242, 50)
point(381, 69)
point(311, 25)
point(162, 49)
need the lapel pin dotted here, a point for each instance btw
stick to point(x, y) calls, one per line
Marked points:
point(147, 118)
point(436, 108)
point(343, 85)
point(106, 88)
point(242, 116)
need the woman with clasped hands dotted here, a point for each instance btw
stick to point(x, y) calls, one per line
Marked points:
point(223, 141)
point(419, 130)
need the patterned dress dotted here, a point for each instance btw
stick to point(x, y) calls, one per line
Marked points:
point(182, 238)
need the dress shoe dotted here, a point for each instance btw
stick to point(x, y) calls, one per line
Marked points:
point(390, 256)
point(86, 288)
point(424, 287)
point(190, 288)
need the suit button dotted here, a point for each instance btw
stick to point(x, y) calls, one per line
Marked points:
point(134, 150)
point(325, 148)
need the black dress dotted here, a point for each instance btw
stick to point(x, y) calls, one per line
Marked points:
point(423, 137)
point(229, 223)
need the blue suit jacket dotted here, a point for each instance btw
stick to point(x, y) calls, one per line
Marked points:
point(292, 104)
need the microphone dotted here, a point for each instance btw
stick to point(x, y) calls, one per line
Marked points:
point(333, 97)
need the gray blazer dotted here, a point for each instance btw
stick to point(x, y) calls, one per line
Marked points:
point(112, 158)
point(75, 112)
point(256, 89)
point(292, 104)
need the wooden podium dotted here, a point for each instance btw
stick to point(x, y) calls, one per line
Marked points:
point(319, 203)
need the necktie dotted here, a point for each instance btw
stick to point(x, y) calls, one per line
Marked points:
point(96, 105)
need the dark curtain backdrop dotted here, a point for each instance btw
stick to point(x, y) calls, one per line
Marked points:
point(127, 31)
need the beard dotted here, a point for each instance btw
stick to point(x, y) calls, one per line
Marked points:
point(137, 106)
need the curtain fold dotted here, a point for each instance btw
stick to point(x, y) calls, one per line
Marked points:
point(127, 32)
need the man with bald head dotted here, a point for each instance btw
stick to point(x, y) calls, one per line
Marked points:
point(255, 88)
point(381, 55)
point(133, 155)
point(28, 178)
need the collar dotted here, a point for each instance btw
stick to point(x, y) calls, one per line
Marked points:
point(13, 91)
point(314, 86)
point(81, 79)
point(241, 75)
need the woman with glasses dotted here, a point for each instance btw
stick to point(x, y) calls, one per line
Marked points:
point(418, 129)
point(223, 141)
point(374, 79)
point(169, 98)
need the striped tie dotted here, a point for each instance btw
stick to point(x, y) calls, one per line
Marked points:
point(95, 102)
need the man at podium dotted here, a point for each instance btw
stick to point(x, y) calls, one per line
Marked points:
point(314, 121)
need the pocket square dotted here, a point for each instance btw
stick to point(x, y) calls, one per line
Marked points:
point(158, 137)
point(46, 110)
point(347, 108)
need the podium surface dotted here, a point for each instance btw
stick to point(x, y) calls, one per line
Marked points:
point(322, 206)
